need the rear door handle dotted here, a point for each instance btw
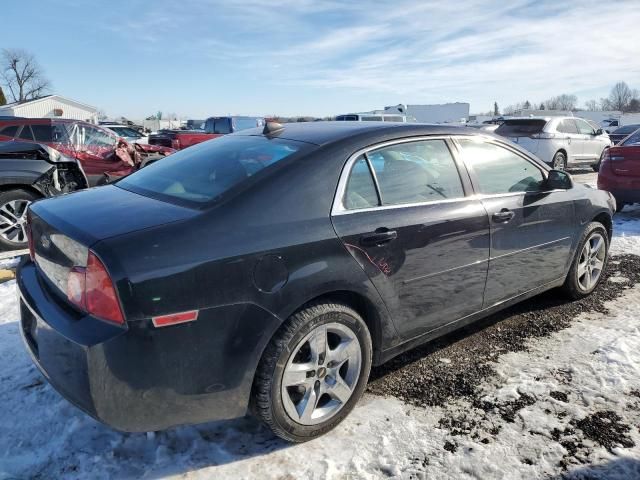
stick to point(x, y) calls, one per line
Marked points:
point(503, 216)
point(379, 237)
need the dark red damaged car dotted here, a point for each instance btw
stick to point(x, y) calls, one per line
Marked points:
point(620, 171)
point(103, 156)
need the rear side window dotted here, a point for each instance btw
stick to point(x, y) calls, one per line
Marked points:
point(42, 133)
point(521, 128)
point(9, 131)
point(360, 191)
point(416, 172)
point(25, 133)
point(567, 126)
point(202, 173)
point(499, 170)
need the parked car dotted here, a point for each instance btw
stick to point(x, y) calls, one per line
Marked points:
point(619, 171)
point(131, 135)
point(610, 124)
point(269, 269)
point(102, 154)
point(371, 117)
point(561, 142)
point(28, 172)
point(621, 133)
point(213, 127)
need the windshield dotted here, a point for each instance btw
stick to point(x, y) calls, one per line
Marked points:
point(520, 128)
point(125, 132)
point(202, 173)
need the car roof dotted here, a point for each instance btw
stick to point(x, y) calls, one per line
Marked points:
point(40, 121)
point(322, 133)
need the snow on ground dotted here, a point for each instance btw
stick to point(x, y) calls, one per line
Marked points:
point(571, 401)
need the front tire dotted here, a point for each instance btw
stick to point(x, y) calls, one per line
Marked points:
point(313, 372)
point(589, 263)
point(13, 218)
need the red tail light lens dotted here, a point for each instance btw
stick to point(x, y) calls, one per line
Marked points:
point(90, 288)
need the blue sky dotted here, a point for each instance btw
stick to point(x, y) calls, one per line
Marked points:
point(198, 58)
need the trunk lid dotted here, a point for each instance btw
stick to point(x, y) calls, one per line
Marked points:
point(64, 228)
point(92, 215)
point(625, 161)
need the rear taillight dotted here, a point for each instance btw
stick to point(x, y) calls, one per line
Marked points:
point(90, 288)
point(175, 143)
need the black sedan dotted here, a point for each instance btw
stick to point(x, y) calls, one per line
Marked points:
point(267, 271)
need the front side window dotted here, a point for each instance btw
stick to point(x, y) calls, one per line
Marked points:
point(42, 133)
point(416, 172)
point(202, 173)
point(499, 170)
point(584, 128)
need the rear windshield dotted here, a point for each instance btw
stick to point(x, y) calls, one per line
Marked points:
point(520, 128)
point(201, 174)
point(633, 139)
point(627, 129)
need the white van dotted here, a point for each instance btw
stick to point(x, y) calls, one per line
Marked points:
point(371, 117)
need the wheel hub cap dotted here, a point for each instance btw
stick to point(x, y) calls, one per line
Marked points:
point(321, 374)
point(13, 219)
point(591, 263)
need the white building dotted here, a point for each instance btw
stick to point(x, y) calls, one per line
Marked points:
point(51, 106)
point(457, 112)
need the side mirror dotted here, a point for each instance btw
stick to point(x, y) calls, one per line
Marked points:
point(599, 131)
point(558, 180)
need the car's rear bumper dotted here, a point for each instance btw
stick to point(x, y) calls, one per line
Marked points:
point(141, 378)
point(625, 189)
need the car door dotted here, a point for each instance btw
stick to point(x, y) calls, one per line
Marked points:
point(573, 141)
point(592, 143)
point(532, 229)
point(404, 213)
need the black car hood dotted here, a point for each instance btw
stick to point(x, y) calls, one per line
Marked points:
point(99, 213)
point(34, 151)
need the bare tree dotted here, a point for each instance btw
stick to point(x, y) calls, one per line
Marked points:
point(562, 102)
point(620, 96)
point(22, 75)
point(592, 105)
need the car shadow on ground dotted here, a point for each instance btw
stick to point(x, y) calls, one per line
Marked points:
point(618, 469)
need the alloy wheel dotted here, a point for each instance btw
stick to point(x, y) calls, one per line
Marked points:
point(13, 220)
point(591, 263)
point(321, 374)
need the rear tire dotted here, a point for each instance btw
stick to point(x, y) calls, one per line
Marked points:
point(559, 161)
point(13, 218)
point(589, 263)
point(301, 393)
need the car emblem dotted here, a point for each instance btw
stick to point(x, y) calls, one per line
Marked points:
point(45, 241)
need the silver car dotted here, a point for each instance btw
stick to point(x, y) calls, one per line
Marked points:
point(559, 141)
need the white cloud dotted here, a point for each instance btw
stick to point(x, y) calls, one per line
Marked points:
point(412, 50)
